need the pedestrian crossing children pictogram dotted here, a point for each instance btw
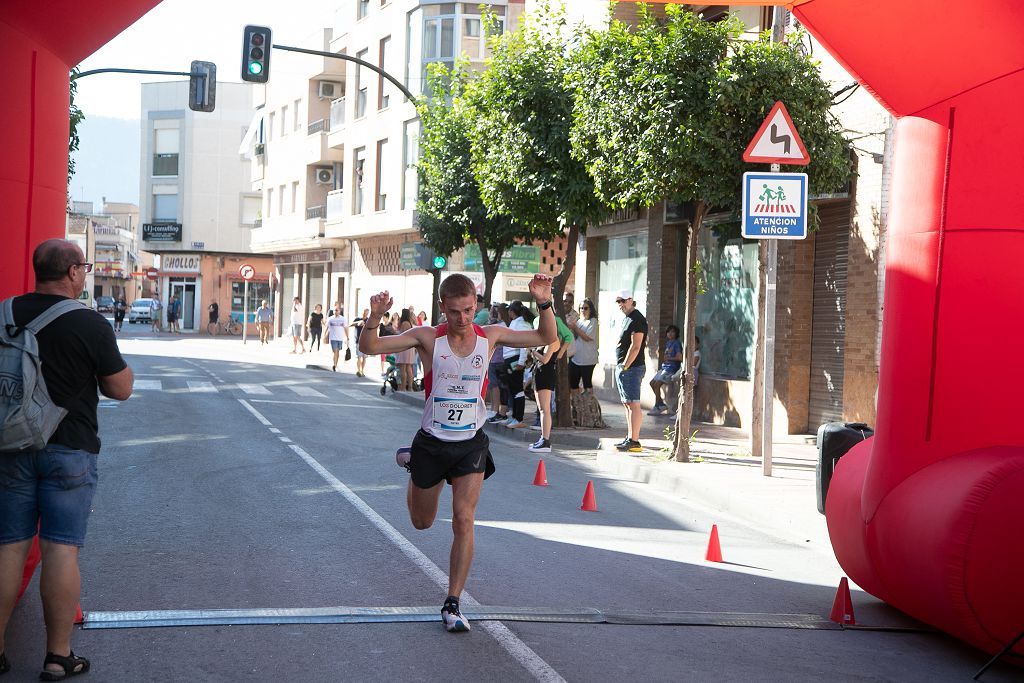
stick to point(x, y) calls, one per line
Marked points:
point(775, 205)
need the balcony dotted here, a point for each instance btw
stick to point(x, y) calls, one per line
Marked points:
point(335, 135)
point(315, 212)
point(317, 151)
point(318, 126)
point(335, 206)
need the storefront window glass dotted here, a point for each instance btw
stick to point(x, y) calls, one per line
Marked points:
point(623, 265)
point(726, 312)
point(258, 291)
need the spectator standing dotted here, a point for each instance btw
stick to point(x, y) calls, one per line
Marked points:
point(359, 323)
point(173, 311)
point(630, 367)
point(406, 359)
point(315, 325)
point(155, 312)
point(515, 364)
point(583, 361)
point(337, 333)
point(265, 321)
point(669, 371)
point(482, 313)
point(297, 321)
point(120, 308)
point(545, 377)
point(51, 490)
point(496, 384)
point(214, 312)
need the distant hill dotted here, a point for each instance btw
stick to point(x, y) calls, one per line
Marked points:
point(107, 161)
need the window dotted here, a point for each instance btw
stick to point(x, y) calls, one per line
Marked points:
point(362, 9)
point(270, 125)
point(270, 202)
point(165, 151)
point(357, 180)
point(295, 196)
point(383, 87)
point(438, 38)
point(410, 155)
point(284, 120)
point(258, 291)
point(165, 208)
point(360, 86)
point(297, 124)
point(380, 203)
point(280, 203)
point(250, 211)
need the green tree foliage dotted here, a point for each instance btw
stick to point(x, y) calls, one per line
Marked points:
point(664, 110)
point(76, 117)
point(522, 156)
point(451, 212)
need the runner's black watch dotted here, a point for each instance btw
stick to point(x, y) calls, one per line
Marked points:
point(544, 306)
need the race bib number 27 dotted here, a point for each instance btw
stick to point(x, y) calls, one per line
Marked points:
point(455, 414)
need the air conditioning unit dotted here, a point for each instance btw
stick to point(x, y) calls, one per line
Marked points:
point(328, 90)
point(324, 175)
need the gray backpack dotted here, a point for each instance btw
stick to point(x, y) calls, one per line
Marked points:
point(28, 417)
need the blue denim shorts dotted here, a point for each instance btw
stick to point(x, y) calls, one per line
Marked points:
point(628, 382)
point(337, 344)
point(50, 489)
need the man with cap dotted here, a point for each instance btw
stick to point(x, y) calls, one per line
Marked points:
point(630, 368)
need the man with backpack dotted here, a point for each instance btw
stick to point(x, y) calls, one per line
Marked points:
point(51, 348)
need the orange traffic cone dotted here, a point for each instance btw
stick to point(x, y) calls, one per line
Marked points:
point(541, 478)
point(589, 499)
point(842, 606)
point(79, 617)
point(714, 553)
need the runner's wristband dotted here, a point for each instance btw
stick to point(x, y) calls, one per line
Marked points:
point(367, 327)
point(544, 306)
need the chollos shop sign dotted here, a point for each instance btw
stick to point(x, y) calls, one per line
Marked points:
point(179, 263)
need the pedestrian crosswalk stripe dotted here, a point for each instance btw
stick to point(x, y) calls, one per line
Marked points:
point(303, 390)
point(359, 395)
point(255, 389)
point(148, 385)
point(201, 387)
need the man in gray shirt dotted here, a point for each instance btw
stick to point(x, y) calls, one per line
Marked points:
point(265, 321)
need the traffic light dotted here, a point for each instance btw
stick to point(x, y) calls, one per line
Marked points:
point(202, 86)
point(427, 259)
point(256, 54)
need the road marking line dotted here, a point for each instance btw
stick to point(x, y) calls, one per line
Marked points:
point(254, 389)
point(275, 430)
point(201, 387)
point(360, 395)
point(322, 403)
point(148, 385)
point(303, 390)
point(510, 642)
point(285, 439)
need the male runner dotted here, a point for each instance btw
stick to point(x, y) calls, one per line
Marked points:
point(451, 445)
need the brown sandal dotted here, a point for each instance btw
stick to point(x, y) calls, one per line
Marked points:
point(71, 664)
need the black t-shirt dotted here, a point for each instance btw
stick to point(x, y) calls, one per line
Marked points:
point(74, 349)
point(316, 321)
point(634, 322)
point(214, 312)
point(358, 324)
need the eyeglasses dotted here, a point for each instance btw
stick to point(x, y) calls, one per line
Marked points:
point(86, 266)
point(620, 301)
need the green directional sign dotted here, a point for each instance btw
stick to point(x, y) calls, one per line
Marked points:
point(521, 258)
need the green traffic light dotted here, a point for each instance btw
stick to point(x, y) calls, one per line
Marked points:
point(255, 68)
point(439, 262)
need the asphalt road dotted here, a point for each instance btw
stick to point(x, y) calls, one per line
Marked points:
point(238, 484)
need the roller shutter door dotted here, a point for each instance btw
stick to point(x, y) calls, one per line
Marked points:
point(828, 323)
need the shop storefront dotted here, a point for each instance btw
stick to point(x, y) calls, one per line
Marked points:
point(622, 265)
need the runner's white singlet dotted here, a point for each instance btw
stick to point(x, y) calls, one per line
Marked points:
point(455, 387)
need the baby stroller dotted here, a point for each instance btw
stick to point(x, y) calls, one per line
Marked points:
point(392, 375)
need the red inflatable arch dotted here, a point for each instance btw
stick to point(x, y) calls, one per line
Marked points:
point(929, 514)
point(42, 42)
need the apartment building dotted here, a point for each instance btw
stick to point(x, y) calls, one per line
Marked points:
point(197, 207)
point(826, 360)
point(109, 240)
point(335, 148)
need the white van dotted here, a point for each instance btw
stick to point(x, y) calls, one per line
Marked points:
point(139, 312)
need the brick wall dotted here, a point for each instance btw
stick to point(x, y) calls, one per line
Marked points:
point(793, 312)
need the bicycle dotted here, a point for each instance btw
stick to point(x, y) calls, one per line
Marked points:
point(229, 326)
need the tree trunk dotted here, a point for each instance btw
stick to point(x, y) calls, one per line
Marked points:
point(435, 309)
point(490, 266)
point(684, 413)
point(563, 401)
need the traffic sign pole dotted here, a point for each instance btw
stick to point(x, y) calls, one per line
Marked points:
point(768, 399)
point(245, 311)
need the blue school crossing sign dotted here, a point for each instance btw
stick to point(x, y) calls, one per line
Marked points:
point(775, 206)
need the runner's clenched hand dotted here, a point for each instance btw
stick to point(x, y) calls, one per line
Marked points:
point(380, 303)
point(540, 288)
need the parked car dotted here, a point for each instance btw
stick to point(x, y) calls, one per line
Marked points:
point(139, 311)
point(105, 304)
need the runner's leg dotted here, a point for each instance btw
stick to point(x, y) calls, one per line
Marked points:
point(423, 504)
point(465, 496)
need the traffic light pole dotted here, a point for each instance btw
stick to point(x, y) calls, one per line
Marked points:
point(372, 67)
point(130, 71)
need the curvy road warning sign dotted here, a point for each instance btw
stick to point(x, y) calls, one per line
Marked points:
point(777, 141)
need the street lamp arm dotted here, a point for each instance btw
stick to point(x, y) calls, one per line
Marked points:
point(372, 67)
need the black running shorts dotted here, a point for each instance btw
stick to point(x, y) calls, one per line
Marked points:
point(546, 376)
point(434, 460)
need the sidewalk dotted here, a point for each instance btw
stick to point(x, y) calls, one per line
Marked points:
point(722, 474)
